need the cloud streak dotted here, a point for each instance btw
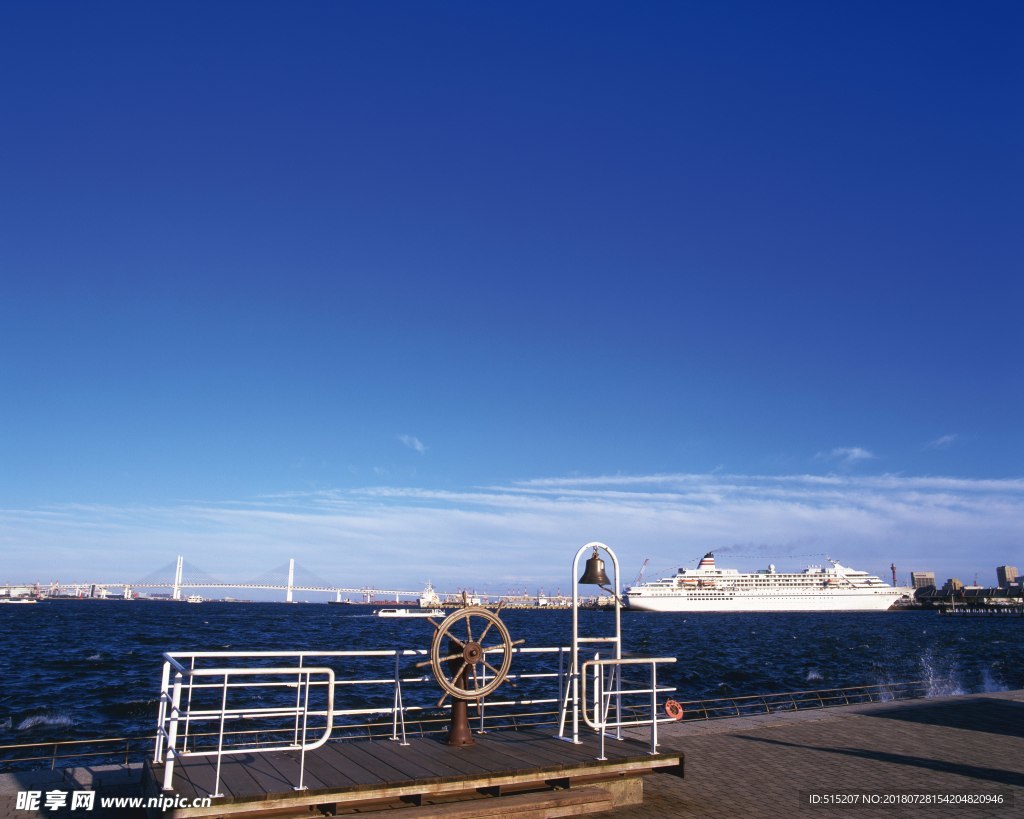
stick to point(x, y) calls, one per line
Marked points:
point(413, 443)
point(523, 534)
point(847, 455)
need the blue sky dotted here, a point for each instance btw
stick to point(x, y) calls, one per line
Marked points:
point(411, 290)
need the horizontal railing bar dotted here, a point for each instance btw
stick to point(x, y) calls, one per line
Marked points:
point(172, 656)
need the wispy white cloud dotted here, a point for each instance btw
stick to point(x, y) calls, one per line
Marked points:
point(524, 533)
point(942, 442)
point(847, 455)
point(413, 442)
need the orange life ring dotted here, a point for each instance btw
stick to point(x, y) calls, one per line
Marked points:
point(674, 709)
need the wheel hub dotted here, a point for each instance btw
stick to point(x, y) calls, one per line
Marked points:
point(472, 652)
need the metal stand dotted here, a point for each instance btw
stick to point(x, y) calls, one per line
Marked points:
point(459, 733)
point(462, 671)
point(571, 696)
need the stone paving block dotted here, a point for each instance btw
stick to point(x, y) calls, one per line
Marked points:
point(748, 767)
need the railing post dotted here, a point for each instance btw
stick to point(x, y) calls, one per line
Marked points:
point(298, 698)
point(161, 715)
point(305, 721)
point(398, 707)
point(220, 736)
point(172, 732)
point(654, 707)
point(188, 706)
point(617, 676)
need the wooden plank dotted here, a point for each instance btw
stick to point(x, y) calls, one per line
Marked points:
point(433, 765)
point(542, 752)
point(551, 748)
point(280, 772)
point(494, 759)
point(236, 779)
point(464, 760)
point(543, 804)
point(349, 759)
point(197, 774)
point(319, 765)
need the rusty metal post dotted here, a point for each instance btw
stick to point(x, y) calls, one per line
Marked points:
point(459, 733)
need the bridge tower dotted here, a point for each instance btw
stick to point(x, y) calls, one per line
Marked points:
point(291, 579)
point(177, 578)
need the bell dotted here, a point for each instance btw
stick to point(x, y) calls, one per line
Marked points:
point(594, 574)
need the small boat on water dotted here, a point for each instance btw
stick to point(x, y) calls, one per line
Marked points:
point(13, 600)
point(410, 613)
point(194, 598)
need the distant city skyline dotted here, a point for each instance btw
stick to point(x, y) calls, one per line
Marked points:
point(443, 291)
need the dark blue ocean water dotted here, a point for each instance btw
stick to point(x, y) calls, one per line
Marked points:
point(87, 669)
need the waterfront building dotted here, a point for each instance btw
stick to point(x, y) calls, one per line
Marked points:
point(953, 585)
point(922, 580)
point(1006, 576)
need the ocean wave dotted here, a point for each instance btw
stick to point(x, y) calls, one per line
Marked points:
point(57, 720)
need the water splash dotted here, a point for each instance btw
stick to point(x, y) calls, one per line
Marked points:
point(989, 684)
point(940, 675)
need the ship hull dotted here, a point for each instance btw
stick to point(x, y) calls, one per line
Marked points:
point(866, 600)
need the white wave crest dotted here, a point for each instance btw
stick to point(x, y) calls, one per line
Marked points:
point(59, 720)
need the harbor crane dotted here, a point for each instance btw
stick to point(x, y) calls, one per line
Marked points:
point(640, 574)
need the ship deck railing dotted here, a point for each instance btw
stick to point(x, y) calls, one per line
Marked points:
point(619, 701)
point(297, 698)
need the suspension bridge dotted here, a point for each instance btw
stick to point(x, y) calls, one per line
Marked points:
point(182, 583)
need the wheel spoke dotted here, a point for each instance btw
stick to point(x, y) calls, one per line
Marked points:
point(457, 674)
point(440, 659)
point(498, 674)
point(502, 646)
point(469, 630)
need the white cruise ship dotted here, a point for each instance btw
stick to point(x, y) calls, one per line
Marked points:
point(708, 588)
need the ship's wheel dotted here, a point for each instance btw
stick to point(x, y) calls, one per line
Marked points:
point(470, 655)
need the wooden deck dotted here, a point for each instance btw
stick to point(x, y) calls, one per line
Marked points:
point(506, 773)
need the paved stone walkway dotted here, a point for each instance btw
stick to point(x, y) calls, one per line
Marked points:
point(769, 766)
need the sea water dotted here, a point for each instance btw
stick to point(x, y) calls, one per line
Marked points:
point(90, 669)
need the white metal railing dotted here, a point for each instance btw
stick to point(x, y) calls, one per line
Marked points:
point(610, 688)
point(237, 687)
